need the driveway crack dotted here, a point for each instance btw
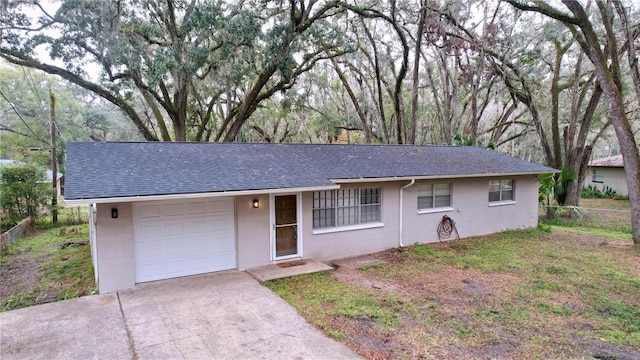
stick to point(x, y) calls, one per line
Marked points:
point(132, 345)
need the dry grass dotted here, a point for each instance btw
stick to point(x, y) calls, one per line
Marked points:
point(609, 204)
point(524, 294)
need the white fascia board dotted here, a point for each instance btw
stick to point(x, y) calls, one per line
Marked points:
point(197, 195)
point(431, 177)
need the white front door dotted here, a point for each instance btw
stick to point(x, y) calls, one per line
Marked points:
point(183, 237)
point(286, 242)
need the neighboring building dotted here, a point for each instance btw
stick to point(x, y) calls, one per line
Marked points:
point(164, 210)
point(48, 173)
point(607, 172)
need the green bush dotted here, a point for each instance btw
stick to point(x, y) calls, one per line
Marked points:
point(592, 192)
point(24, 191)
point(608, 192)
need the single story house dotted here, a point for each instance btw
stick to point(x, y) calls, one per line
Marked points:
point(607, 172)
point(164, 210)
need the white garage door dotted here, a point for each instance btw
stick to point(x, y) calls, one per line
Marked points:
point(183, 237)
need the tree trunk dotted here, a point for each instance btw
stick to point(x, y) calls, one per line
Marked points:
point(611, 91)
point(180, 124)
point(354, 101)
point(416, 71)
point(380, 104)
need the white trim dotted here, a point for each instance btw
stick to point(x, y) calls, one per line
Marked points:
point(347, 228)
point(500, 203)
point(435, 210)
point(434, 177)
point(198, 195)
point(272, 217)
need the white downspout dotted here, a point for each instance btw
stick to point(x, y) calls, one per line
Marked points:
point(413, 181)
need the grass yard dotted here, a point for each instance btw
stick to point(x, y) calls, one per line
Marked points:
point(50, 265)
point(572, 292)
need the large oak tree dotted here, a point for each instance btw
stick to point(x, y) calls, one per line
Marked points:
point(608, 75)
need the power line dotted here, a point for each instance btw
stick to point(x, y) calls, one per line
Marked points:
point(29, 75)
point(21, 118)
point(60, 132)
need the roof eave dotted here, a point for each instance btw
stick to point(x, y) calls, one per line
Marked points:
point(125, 199)
point(435, 177)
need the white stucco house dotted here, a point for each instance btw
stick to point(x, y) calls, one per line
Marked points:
point(164, 210)
point(609, 172)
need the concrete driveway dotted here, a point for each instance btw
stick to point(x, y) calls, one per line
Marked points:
point(217, 316)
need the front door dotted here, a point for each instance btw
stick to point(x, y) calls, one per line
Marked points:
point(286, 226)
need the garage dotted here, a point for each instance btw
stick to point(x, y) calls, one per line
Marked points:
point(183, 237)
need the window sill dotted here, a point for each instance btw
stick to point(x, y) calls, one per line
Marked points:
point(435, 210)
point(501, 203)
point(347, 228)
point(597, 181)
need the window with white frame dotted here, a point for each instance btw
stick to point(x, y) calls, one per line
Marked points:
point(598, 176)
point(434, 196)
point(501, 190)
point(345, 207)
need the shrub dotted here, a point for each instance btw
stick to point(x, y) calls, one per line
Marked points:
point(24, 190)
point(592, 192)
point(608, 192)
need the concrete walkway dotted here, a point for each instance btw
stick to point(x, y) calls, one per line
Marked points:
point(216, 316)
point(288, 269)
point(91, 327)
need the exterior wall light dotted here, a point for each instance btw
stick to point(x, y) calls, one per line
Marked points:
point(255, 203)
point(114, 213)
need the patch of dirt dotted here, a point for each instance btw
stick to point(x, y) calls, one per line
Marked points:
point(458, 287)
point(347, 272)
point(369, 341)
point(495, 350)
point(18, 275)
point(599, 349)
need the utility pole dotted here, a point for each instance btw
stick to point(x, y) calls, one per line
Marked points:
point(54, 158)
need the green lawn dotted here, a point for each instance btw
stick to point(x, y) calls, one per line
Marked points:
point(522, 294)
point(39, 268)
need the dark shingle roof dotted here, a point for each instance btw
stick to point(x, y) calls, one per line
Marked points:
point(122, 169)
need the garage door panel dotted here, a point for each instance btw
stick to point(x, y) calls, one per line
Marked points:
point(220, 206)
point(151, 271)
point(151, 250)
point(219, 226)
point(198, 227)
point(174, 229)
point(150, 230)
point(197, 248)
point(197, 208)
point(187, 238)
point(173, 209)
point(149, 211)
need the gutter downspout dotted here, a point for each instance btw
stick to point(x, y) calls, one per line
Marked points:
point(413, 181)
